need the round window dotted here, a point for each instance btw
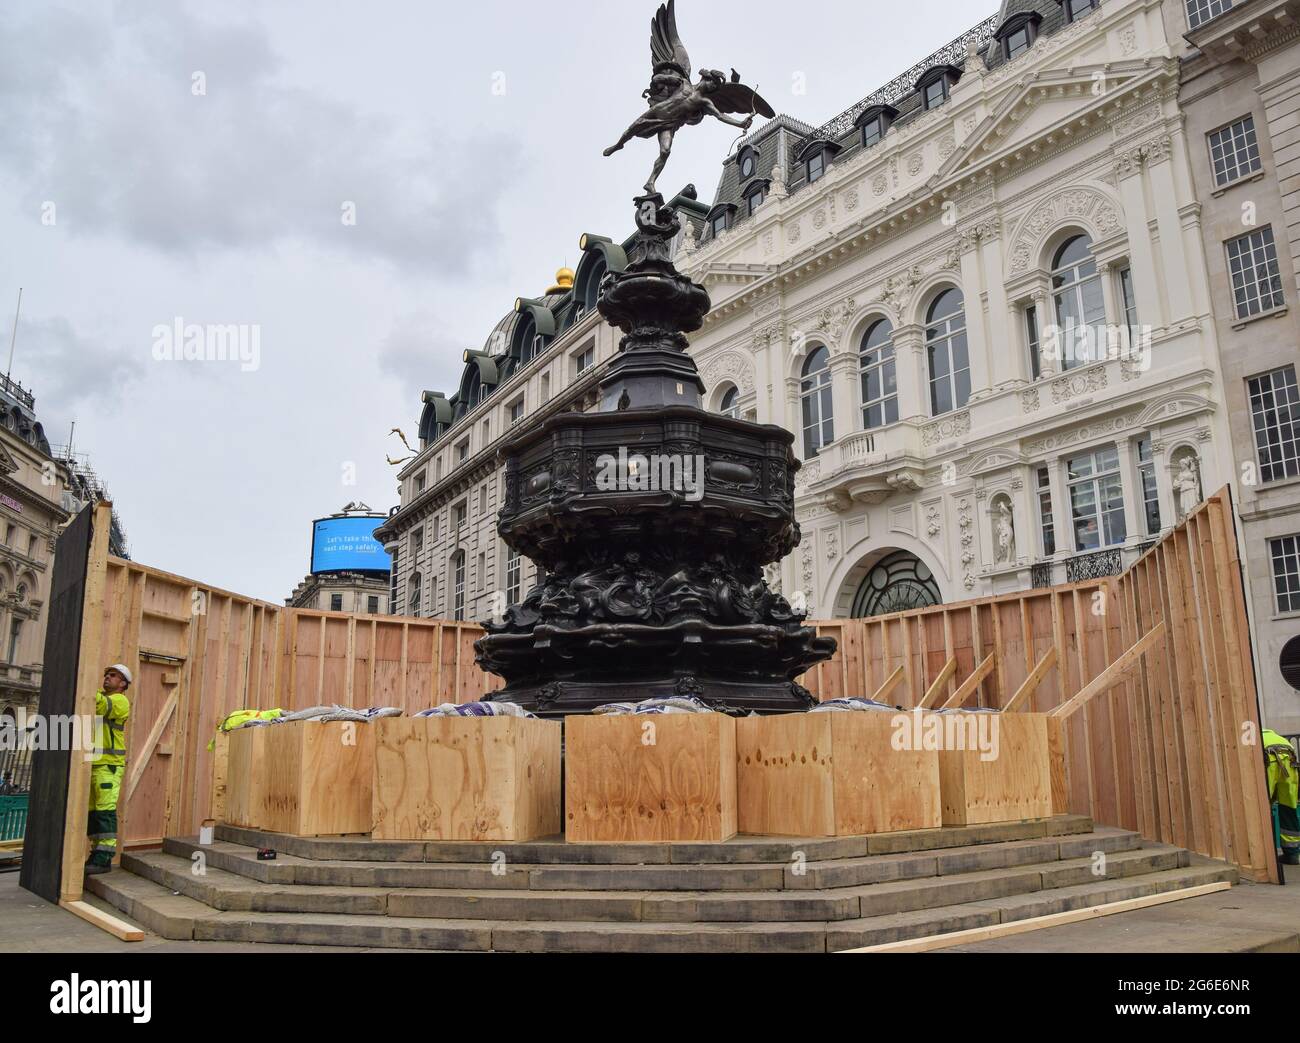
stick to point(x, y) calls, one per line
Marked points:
point(1289, 661)
point(747, 165)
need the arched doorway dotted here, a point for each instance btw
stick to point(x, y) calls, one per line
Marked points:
point(896, 583)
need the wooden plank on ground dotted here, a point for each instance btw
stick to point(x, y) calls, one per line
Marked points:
point(1037, 923)
point(104, 921)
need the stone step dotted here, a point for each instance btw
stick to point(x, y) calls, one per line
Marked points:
point(179, 917)
point(742, 849)
point(925, 923)
point(795, 874)
point(226, 891)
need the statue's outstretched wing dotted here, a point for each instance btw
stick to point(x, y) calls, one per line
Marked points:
point(736, 97)
point(665, 45)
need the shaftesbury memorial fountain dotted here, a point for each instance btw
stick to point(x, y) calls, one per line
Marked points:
point(651, 519)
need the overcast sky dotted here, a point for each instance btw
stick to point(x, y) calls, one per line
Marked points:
point(164, 161)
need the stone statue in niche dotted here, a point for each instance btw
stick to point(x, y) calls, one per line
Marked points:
point(1004, 527)
point(1188, 484)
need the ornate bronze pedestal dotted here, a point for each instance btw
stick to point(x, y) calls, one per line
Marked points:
point(651, 521)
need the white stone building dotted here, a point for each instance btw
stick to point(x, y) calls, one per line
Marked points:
point(905, 288)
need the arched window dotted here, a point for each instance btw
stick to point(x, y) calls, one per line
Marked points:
point(1080, 304)
point(879, 378)
point(413, 600)
point(458, 585)
point(898, 582)
point(730, 404)
point(815, 397)
point(945, 343)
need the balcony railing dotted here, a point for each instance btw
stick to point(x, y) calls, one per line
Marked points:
point(866, 465)
point(1040, 574)
point(1094, 566)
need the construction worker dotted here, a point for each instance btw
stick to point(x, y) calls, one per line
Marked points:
point(1283, 789)
point(112, 708)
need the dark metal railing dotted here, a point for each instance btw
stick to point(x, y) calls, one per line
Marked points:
point(1040, 574)
point(1094, 566)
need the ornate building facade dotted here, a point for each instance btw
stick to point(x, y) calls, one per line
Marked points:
point(1241, 98)
point(982, 297)
point(979, 297)
point(34, 505)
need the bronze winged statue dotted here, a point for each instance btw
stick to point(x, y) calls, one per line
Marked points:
point(676, 102)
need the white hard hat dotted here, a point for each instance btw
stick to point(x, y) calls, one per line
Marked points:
point(122, 669)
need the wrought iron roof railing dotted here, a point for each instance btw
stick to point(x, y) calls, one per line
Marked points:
point(952, 53)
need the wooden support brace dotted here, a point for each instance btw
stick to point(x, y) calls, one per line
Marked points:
point(1032, 681)
point(881, 694)
point(1113, 673)
point(142, 755)
point(945, 675)
point(971, 683)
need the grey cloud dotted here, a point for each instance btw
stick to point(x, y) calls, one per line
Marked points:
point(98, 116)
point(420, 354)
point(68, 370)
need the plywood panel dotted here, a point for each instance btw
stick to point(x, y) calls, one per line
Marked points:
point(466, 778)
point(1005, 779)
point(831, 774)
point(669, 777)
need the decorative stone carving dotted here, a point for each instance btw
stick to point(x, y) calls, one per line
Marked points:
point(1070, 204)
point(1004, 529)
point(819, 219)
point(730, 365)
point(792, 233)
point(1072, 385)
point(932, 519)
point(832, 545)
point(1188, 484)
point(947, 146)
point(777, 189)
point(951, 426)
point(1081, 434)
point(832, 320)
point(1127, 40)
point(1029, 400)
point(915, 162)
point(851, 200)
point(879, 184)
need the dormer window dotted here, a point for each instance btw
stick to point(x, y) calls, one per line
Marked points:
point(720, 218)
point(874, 122)
point(816, 156)
point(747, 163)
point(935, 84)
point(754, 195)
point(1017, 34)
point(1076, 9)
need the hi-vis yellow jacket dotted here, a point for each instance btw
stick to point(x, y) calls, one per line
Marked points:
point(237, 717)
point(110, 736)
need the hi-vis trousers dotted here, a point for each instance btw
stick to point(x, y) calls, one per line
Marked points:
point(105, 787)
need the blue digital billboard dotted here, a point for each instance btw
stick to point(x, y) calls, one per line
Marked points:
point(347, 545)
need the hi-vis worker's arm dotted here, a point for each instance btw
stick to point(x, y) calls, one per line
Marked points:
point(115, 708)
